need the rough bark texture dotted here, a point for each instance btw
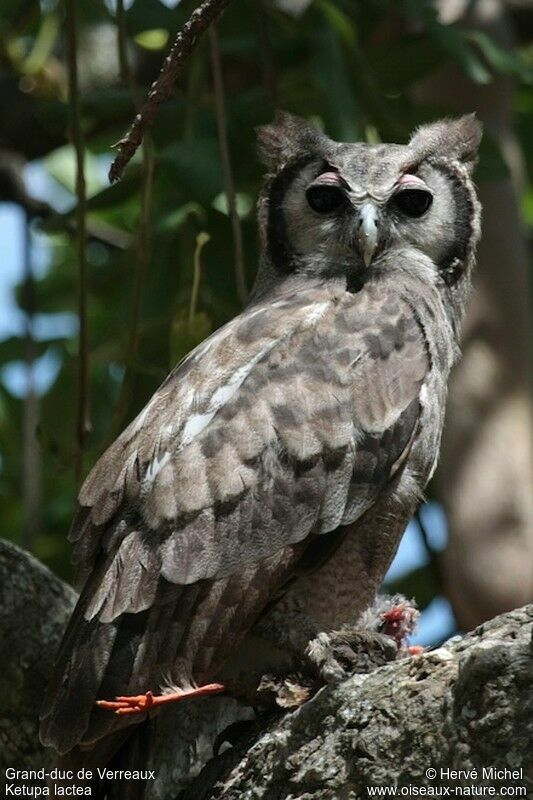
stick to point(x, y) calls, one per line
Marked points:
point(35, 607)
point(34, 610)
point(468, 704)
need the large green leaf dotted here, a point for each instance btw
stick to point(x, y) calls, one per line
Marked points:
point(191, 170)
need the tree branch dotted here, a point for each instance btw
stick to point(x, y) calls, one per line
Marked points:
point(144, 231)
point(184, 44)
point(83, 423)
point(31, 453)
point(465, 705)
point(34, 611)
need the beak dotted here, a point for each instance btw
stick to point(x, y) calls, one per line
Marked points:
point(368, 231)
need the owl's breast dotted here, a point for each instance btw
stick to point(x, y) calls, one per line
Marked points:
point(398, 395)
point(345, 584)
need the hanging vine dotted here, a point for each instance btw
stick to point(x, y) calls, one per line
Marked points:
point(227, 170)
point(83, 425)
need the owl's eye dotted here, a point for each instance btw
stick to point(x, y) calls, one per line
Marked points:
point(325, 199)
point(413, 202)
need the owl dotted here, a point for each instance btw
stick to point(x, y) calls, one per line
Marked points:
point(275, 469)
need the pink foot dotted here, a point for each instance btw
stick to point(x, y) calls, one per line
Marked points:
point(135, 704)
point(399, 621)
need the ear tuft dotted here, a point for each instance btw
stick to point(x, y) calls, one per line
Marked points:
point(453, 138)
point(287, 138)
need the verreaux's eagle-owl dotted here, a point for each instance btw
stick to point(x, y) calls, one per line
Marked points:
point(287, 452)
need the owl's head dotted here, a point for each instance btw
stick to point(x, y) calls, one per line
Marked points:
point(337, 209)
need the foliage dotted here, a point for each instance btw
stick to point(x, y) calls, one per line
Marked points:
point(348, 64)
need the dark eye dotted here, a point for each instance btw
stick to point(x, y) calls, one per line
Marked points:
point(325, 199)
point(413, 202)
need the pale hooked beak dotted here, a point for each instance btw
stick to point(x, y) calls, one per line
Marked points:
point(368, 232)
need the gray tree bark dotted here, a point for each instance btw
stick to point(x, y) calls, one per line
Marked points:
point(467, 705)
point(34, 610)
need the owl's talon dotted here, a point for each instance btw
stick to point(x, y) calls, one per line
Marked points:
point(337, 655)
point(136, 704)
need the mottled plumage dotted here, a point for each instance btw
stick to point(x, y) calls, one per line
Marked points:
point(281, 460)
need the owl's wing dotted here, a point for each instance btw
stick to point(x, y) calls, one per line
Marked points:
point(283, 426)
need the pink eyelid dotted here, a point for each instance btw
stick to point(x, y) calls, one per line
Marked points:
point(330, 178)
point(413, 181)
point(334, 179)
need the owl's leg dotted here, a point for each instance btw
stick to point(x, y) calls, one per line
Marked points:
point(336, 655)
point(135, 704)
point(288, 629)
point(379, 635)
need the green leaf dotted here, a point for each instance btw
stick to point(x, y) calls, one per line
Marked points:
point(118, 193)
point(332, 74)
point(527, 207)
point(191, 169)
point(13, 348)
point(61, 165)
point(450, 38)
point(509, 62)
point(243, 202)
point(339, 22)
point(397, 65)
point(492, 165)
point(155, 39)
point(149, 14)
point(175, 219)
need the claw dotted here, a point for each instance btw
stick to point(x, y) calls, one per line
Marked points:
point(399, 621)
point(136, 704)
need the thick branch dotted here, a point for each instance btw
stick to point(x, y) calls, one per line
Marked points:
point(34, 610)
point(466, 705)
point(184, 45)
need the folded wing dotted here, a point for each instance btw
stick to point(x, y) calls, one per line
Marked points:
point(282, 427)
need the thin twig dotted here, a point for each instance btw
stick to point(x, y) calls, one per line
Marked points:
point(83, 423)
point(126, 75)
point(227, 171)
point(120, 16)
point(201, 241)
point(184, 44)
point(143, 249)
point(265, 51)
point(143, 235)
point(31, 470)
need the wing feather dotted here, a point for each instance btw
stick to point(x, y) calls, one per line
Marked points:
point(297, 435)
point(282, 426)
